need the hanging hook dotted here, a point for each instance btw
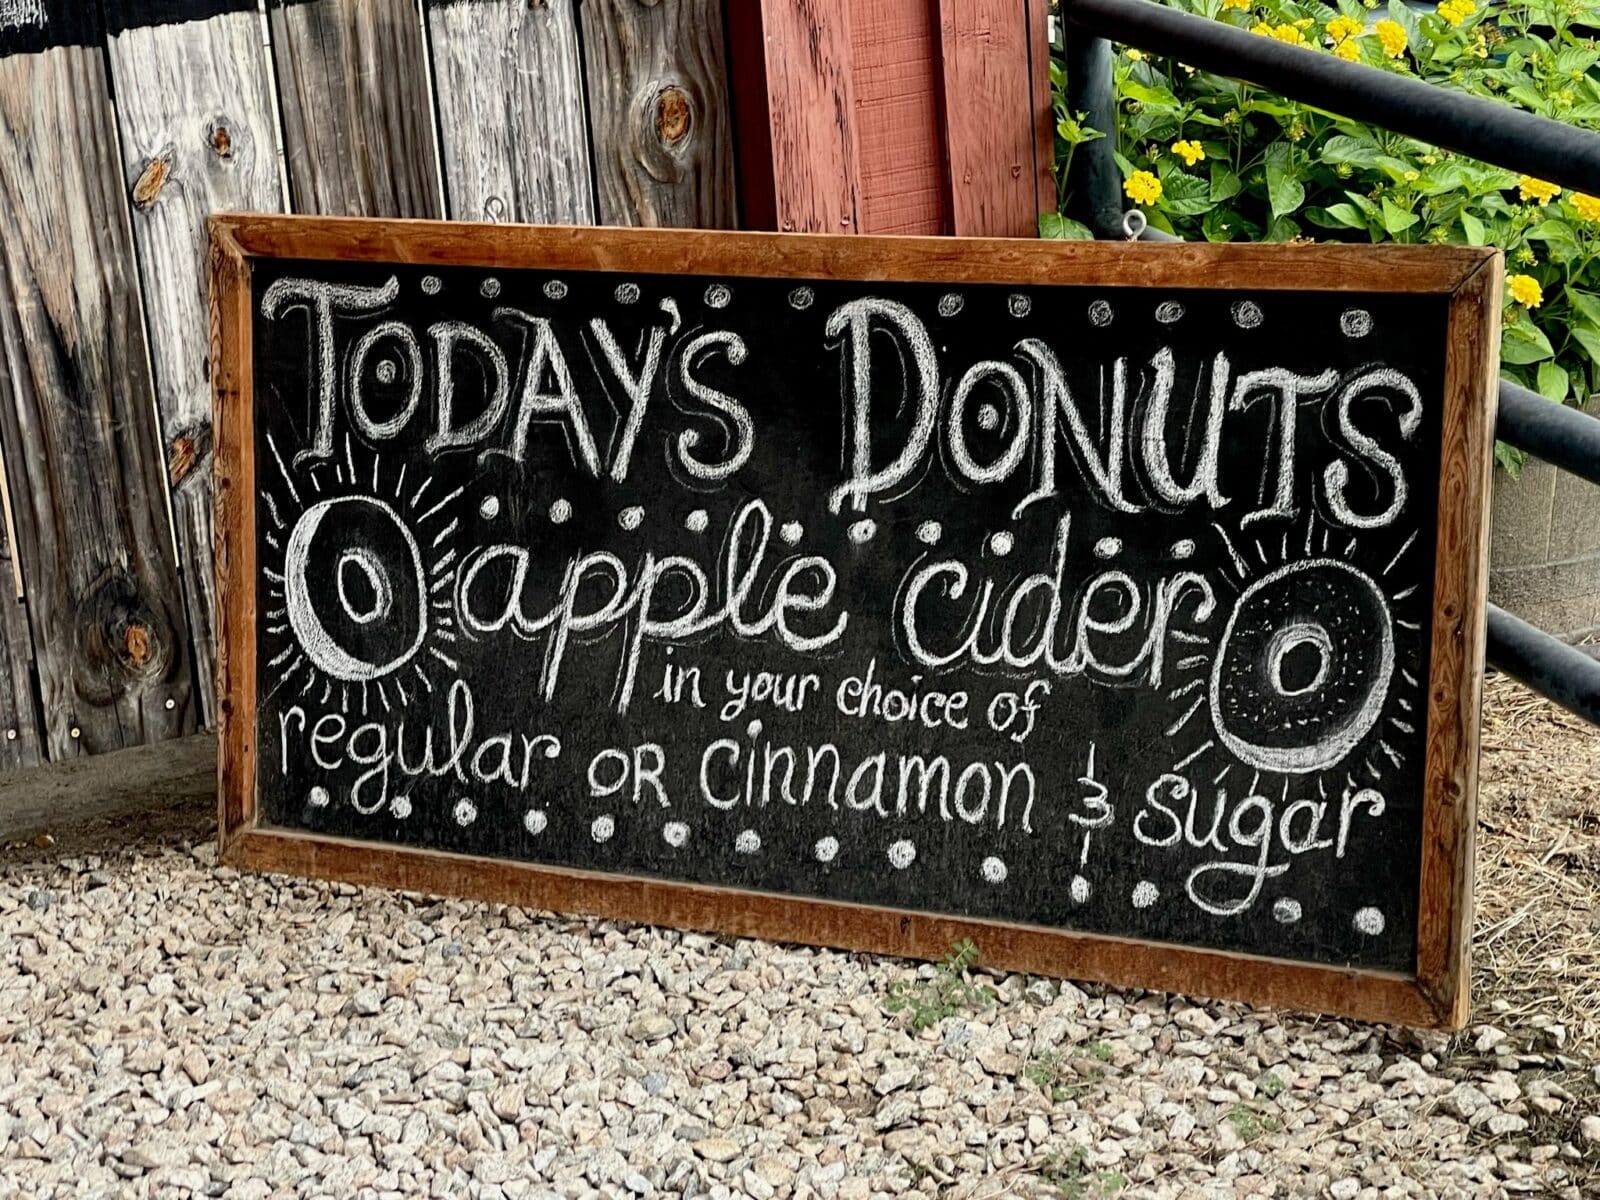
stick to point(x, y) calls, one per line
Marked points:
point(1134, 223)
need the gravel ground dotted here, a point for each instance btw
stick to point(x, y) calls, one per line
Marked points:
point(171, 1028)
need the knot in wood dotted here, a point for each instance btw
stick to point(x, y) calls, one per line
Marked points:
point(136, 643)
point(674, 115)
point(152, 179)
point(221, 139)
point(187, 450)
point(180, 458)
point(124, 640)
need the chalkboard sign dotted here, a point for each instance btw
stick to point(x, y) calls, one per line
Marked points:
point(1116, 606)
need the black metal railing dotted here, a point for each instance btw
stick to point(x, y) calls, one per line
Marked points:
point(1483, 129)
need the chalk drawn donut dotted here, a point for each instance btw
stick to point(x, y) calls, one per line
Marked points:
point(1303, 668)
point(354, 588)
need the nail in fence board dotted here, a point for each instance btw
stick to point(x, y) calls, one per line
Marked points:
point(195, 113)
point(508, 77)
point(357, 115)
point(87, 484)
point(1119, 607)
point(659, 112)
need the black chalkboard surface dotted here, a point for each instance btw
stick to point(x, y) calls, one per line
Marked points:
point(1041, 599)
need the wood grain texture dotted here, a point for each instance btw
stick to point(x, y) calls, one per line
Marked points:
point(358, 134)
point(899, 117)
point(20, 742)
point(662, 134)
point(194, 109)
point(811, 111)
point(228, 328)
point(1455, 685)
point(83, 457)
point(1043, 111)
point(991, 123)
point(1325, 267)
point(514, 139)
point(1434, 995)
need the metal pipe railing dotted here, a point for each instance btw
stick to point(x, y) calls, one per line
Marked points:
point(1554, 432)
point(1483, 129)
point(1546, 664)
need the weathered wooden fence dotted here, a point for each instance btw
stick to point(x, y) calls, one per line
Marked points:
point(124, 122)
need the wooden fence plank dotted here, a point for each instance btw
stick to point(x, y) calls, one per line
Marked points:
point(194, 108)
point(992, 130)
point(899, 123)
point(1044, 117)
point(20, 743)
point(807, 104)
point(83, 455)
point(509, 80)
point(358, 132)
point(659, 112)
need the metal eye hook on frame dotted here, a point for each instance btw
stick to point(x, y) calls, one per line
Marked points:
point(494, 210)
point(1134, 223)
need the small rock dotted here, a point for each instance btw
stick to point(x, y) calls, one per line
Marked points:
point(506, 1102)
point(1589, 1129)
point(195, 1065)
point(637, 1184)
point(368, 1002)
point(1345, 1189)
point(1503, 1123)
point(651, 1027)
point(717, 1149)
point(773, 1171)
point(1464, 1101)
point(894, 1076)
point(40, 900)
point(347, 1114)
point(893, 1111)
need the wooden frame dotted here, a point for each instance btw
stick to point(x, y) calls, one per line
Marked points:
point(1435, 994)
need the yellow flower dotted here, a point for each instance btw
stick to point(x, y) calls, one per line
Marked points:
point(1135, 55)
point(1143, 188)
point(1453, 12)
point(1190, 152)
point(1536, 190)
point(1241, 5)
point(1480, 48)
point(1412, 176)
point(1588, 206)
point(1393, 36)
point(1349, 50)
point(1342, 27)
point(1262, 28)
point(1525, 290)
point(1289, 34)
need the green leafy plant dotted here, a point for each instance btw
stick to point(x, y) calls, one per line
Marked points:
point(1053, 1074)
point(1215, 159)
point(946, 994)
point(1250, 1124)
point(1071, 1178)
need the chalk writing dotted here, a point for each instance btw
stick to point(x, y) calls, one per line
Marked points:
point(1086, 608)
